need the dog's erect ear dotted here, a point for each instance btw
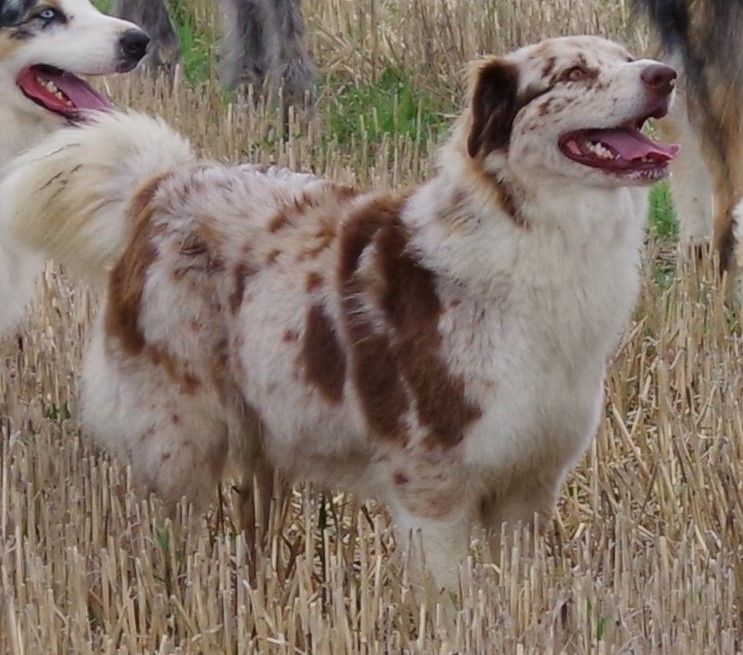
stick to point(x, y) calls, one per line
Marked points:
point(494, 106)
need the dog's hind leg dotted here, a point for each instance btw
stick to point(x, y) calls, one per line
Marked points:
point(529, 501)
point(691, 184)
point(175, 440)
point(259, 486)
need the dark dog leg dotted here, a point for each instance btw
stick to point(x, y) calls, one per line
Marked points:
point(265, 40)
point(152, 16)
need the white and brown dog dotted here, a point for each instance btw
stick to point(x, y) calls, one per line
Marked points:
point(44, 46)
point(442, 349)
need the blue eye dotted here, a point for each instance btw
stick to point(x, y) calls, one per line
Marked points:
point(48, 14)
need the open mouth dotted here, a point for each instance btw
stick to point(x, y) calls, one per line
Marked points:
point(60, 92)
point(624, 150)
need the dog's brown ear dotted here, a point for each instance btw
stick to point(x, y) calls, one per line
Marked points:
point(494, 106)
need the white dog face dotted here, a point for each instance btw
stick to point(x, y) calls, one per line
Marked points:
point(572, 107)
point(45, 44)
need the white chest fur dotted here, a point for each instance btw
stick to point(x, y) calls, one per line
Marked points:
point(534, 347)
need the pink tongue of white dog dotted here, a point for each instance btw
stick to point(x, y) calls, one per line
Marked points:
point(632, 144)
point(81, 95)
point(60, 92)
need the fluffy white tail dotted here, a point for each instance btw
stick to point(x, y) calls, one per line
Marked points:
point(66, 200)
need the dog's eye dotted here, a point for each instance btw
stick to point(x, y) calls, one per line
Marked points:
point(48, 14)
point(575, 74)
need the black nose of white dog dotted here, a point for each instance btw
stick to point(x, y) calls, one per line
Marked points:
point(133, 45)
point(659, 78)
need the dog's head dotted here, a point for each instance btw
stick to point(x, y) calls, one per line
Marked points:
point(45, 44)
point(571, 107)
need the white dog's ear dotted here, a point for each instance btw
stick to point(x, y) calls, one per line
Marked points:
point(495, 103)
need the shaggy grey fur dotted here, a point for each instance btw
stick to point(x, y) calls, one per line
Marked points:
point(152, 16)
point(264, 41)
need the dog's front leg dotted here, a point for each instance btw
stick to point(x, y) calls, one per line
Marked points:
point(432, 510)
point(528, 500)
point(437, 545)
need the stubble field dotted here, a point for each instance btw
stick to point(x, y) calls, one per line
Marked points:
point(646, 551)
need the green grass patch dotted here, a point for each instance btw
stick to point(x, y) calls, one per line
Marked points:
point(197, 46)
point(392, 105)
point(662, 214)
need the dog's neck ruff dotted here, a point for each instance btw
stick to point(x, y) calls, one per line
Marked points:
point(509, 196)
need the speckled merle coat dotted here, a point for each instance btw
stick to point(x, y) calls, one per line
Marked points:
point(442, 348)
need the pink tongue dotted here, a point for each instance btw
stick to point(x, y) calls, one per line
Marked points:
point(632, 144)
point(82, 96)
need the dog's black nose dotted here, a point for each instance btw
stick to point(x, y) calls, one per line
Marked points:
point(659, 77)
point(134, 44)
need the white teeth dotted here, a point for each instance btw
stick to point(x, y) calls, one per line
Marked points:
point(599, 150)
point(54, 90)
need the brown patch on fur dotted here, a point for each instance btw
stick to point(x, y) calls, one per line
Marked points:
point(545, 108)
point(307, 201)
point(361, 229)
point(127, 280)
point(400, 478)
point(290, 336)
point(410, 349)
point(549, 66)
point(176, 370)
point(344, 192)
point(126, 286)
point(379, 382)
point(508, 202)
point(272, 257)
point(375, 368)
point(314, 281)
point(278, 222)
point(240, 274)
point(324, 239)
point(506, 196)
point(412, 306)
point(324, 358)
